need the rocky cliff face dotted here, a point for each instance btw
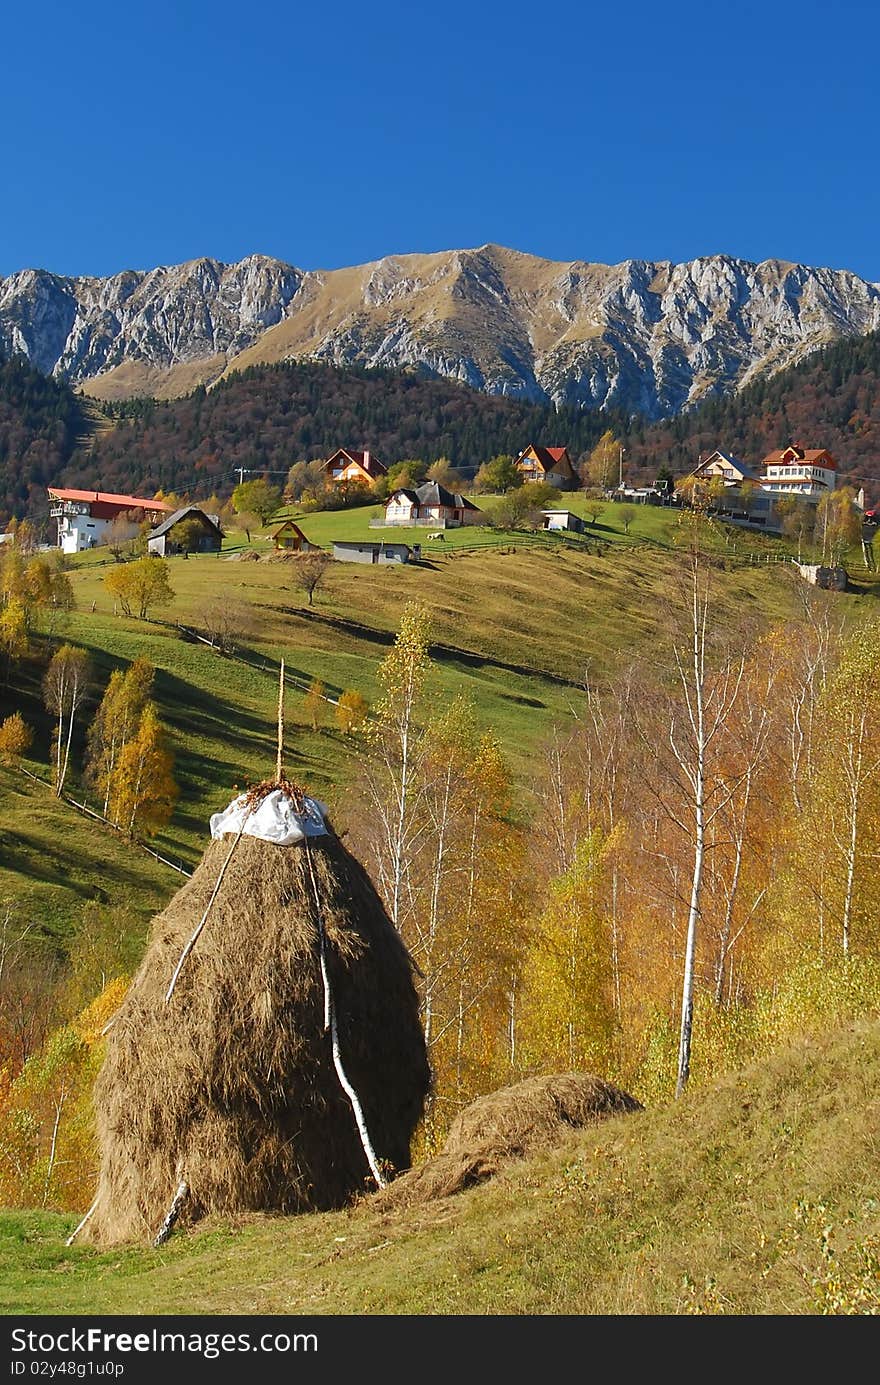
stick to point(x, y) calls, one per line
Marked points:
point(79, 328)
point(652, 337)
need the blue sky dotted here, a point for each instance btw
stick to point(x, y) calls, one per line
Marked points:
point(141, 134)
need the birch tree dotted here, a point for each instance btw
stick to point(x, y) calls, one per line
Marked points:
point(569, 1020)
point(846, 794)
point(745, 765)
point(696, 724)
point(65, 688)
point(394, 775)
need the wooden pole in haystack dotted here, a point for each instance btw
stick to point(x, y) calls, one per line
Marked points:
point(279, 764)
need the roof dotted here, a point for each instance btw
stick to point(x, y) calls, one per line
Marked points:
point(729, 460)
point(432, 493)
point(804, 456)
point(547, 457)
point(179, 515)
point(371, 465)
point(126, 502)
point(365, 543)
point(287, 524)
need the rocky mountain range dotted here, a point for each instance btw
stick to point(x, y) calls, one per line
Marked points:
point(649, 337)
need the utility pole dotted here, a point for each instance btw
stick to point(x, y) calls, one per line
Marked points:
point(242, 473)
point(620, 478)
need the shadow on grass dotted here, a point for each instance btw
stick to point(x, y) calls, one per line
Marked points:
point(31, 856)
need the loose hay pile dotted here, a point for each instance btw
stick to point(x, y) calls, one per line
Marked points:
point(509, 1124)
point(231, 1084)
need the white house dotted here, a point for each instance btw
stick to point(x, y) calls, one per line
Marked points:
point(84, 516)
point(801, 471)
point(431, 504)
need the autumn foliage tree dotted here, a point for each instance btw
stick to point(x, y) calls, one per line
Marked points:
point(117, 720)
point(569, 1022)
point(16, 738)
point(394, 782)
point(315, 704)
point(351, 711)
point(602, 465)
point(140, 586)
point(144, 788)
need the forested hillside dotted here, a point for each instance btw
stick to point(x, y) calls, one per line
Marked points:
point(269, 417)
point(272, 416)
point(41, 422)
point(830, 400)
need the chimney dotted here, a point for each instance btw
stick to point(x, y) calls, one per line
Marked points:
point(367, 459)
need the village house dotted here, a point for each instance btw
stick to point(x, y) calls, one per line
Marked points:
point(750, 496)
point(188, 530)
point(549, 464)
point(346, 468)
point(289, 538)
point(800, 471)
point(84, 516)
point(724, 467)
point(433, 505)
point(377, 552)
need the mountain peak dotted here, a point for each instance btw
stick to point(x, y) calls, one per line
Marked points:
point(647, 336)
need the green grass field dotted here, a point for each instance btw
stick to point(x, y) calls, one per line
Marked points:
point(649, 524)
point(53, 860)
point(727, 1202)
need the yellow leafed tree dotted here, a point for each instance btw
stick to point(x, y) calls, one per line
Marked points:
point(144, 791)
point(47, 1142)
point(568, 1019)
point(116, 721)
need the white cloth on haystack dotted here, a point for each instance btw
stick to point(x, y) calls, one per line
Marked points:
point(275, 819)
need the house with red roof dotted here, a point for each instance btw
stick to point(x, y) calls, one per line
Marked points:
point(346, 468)
point(549, 464)
point(809, 472)
point(84, 516)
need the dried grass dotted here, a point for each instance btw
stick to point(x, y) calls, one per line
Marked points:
point(231, 1083)
point(511, 1123)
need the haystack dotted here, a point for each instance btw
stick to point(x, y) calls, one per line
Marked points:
point(228, 1087)
point(538, 1113)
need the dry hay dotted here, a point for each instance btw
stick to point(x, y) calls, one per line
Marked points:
point(285, 555)
point(516, 1121)
point(231, 1084)
point(249, 555)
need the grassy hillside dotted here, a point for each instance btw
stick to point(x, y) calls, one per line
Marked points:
point(516, 625)
point(757, 1195)
point(50, 863)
